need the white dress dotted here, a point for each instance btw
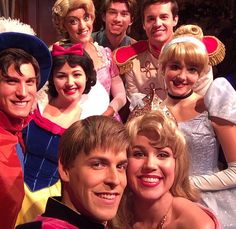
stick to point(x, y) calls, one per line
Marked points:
point(220, 101)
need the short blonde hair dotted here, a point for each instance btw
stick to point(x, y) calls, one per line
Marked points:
point(189, 52)
point(62, 7)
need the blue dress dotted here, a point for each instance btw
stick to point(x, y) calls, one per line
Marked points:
point(220, 101)
point(41, 138)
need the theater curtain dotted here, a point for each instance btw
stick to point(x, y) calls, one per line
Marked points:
point(7, 8)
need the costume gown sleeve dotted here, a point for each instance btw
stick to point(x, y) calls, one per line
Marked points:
point(204, 82)
point(220, 101)
point(117, 86)
point(217, 187)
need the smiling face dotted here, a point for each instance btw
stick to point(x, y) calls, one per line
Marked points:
point(117, 19)
point(158, 23)
point(69, 82)
point(79, 25)
point(18, 91)
point(150, 171)
point(180, 77)
point(95, 183)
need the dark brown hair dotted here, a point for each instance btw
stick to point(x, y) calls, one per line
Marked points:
point(73, 60)
point(17, 57)
point(131, 6)
point(174, 6)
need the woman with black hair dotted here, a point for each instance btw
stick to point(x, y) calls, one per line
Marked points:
point(72, 95)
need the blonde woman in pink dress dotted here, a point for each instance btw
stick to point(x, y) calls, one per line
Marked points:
point(74, 22)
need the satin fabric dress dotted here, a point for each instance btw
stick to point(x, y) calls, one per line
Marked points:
point(220, 101)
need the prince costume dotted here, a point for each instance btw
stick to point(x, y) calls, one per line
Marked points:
point(11, 144)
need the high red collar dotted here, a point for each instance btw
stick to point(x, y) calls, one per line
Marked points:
point(13, 125)
point(155, 51)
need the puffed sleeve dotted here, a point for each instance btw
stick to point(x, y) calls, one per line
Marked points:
point(95, 102)
point(114, 70)
point(220, 100)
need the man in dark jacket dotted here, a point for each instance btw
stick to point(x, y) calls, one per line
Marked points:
point(92, 167)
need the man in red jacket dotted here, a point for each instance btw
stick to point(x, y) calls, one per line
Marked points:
point(25, 64)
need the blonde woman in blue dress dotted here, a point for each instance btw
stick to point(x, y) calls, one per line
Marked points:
point(206, 121)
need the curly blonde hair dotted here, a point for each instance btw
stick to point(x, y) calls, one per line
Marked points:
point(62, 7)
point(166, 134)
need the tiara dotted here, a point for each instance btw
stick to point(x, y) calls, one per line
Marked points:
point(151, 102)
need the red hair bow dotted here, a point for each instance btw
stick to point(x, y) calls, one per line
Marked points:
point(58, 50)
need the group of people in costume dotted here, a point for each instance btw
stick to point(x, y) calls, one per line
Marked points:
point(67, 153)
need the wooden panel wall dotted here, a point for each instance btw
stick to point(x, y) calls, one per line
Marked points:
point(37, 13)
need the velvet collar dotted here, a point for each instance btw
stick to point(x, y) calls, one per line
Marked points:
point(56, 209)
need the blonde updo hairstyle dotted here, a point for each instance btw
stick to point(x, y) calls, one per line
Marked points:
point(191, 53)
point(190, 30)
point(62, 7)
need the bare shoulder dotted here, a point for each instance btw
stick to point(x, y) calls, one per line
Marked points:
point(191, 214)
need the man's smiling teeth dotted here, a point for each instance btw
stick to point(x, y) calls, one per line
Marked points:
point(158, 31)
point(150, 179)
point(20, 103)
point(116, 25)
point(107, 196)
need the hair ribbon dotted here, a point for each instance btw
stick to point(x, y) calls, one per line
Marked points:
point(76, 49)
point(183, 39)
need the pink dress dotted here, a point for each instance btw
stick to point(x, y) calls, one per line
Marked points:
point(108, 76)
point(109, 68)
point(209, 212)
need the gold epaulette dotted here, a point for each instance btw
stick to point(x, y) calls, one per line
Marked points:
point(215, 49)
point(123, 56)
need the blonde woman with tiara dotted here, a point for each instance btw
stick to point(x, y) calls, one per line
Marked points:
point(159, 194)
point(73, 20)
point(205, 121)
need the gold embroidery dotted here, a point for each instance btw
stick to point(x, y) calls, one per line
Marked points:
point(127, 67)
point(151, 103)
point(147, 69)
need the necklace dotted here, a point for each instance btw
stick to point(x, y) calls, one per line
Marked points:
point(164, 218)
point(181, 96)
